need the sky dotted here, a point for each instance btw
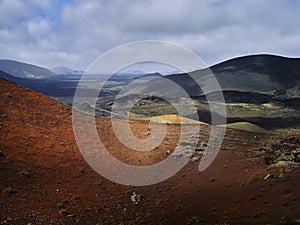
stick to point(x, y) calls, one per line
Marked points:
point(74, 33)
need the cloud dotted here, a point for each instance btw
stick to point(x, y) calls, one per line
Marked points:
point(74, 33)
point(14, 12)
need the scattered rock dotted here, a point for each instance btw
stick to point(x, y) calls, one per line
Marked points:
point(195, 158)
point(201, 147)
point(24, 174)
point(211, 179)
point(64, 212)
point(168, 152)
point(297, 157)
point(136, 198)
point(53, 123)
point(148, 133)
point(8, 191)
point(8, 95)
point(266, 177)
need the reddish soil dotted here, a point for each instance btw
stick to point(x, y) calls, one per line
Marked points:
point(36, 135)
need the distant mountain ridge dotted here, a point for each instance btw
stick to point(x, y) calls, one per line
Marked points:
point(263, 74)
point(24, 70)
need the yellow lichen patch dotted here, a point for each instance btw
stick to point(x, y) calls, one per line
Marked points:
point(169, 118)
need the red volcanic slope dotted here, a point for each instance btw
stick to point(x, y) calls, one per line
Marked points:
point(36, 136)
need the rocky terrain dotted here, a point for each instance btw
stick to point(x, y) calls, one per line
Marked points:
point(260, 90)
point(45, 180)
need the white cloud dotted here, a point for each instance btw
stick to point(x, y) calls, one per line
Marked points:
point(39, 27)
point(75, 33)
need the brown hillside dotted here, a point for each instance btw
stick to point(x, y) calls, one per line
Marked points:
point(36, 136)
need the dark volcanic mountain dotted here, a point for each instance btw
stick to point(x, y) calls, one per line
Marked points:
point(255, 73)
point(24, 70)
